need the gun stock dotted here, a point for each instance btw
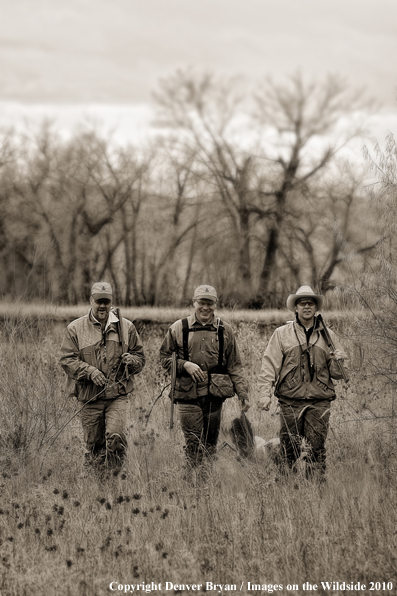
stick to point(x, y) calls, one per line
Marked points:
point(172, 391)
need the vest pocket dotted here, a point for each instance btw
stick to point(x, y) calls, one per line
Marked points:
point(85, 390)
point(221, 386)
point(291, 379)
point(323, 379)
point(185, 389)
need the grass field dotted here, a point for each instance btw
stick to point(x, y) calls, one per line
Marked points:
point(17, 311)
point(64, 534)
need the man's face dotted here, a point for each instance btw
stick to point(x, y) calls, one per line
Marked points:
point(204, 309)
point(306, 309)
point(101, 308)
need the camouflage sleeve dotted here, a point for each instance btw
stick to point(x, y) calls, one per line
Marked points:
point(169, 346)
point(271, 365)
point(334, 368)
point(70, 359)
point(135, 348)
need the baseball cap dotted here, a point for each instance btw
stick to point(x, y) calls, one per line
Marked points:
point(101, 289)
point(206, 293)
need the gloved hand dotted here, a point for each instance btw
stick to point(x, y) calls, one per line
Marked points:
point(98, 378)
point(194, 371)
point(264, 403)
point(245, 404)
point(127, 358)
point(339, 355)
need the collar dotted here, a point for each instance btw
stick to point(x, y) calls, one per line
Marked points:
point(307, 329)
point(212, 322)
point(112, 318)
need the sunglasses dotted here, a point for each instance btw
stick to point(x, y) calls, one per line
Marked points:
point(306, 303)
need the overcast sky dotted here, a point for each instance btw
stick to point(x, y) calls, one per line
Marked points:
point(84, 52)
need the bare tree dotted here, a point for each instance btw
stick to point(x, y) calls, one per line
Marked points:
point(250, 201)
point(123, 184)
point(72, 190)
point(205, 111)
point(324, 228)
point(176, 214)
point(304, 117)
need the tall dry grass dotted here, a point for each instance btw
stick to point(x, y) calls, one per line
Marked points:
point(37, 313)
point(63, 533)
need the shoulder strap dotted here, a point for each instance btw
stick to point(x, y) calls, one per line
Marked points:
point(185, 339)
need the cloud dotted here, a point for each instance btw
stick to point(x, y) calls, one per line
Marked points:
point(96, 50)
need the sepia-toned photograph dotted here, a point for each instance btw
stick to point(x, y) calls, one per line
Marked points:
point(198, 297)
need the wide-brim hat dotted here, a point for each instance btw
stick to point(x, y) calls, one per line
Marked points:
point(304, 292)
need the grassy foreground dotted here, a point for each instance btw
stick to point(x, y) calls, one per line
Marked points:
point(64, 534)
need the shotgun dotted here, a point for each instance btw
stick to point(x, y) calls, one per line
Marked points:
point(331, 345)
point(172, 390)
point(124, 346)
point(120, 329)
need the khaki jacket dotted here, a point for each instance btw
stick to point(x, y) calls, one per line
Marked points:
point(298, 370)
point(85, 349)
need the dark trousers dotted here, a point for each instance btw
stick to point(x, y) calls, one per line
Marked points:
point(104, 429)
point(309, 420)
point(200, 421)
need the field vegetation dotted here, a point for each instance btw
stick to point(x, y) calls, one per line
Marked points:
point(257, 190)
point(64, 533)
point(53, 312)
point(37, 313)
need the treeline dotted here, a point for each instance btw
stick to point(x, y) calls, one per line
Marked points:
point(246, 190)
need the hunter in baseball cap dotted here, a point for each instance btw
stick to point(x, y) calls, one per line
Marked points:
point(101, 289)
point(205, 293)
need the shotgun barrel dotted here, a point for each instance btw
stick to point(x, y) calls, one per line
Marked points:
point(172, 391)
point(120, 330)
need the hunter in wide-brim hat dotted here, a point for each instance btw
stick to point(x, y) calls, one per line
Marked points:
point(304, 292)
point(301, 361)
